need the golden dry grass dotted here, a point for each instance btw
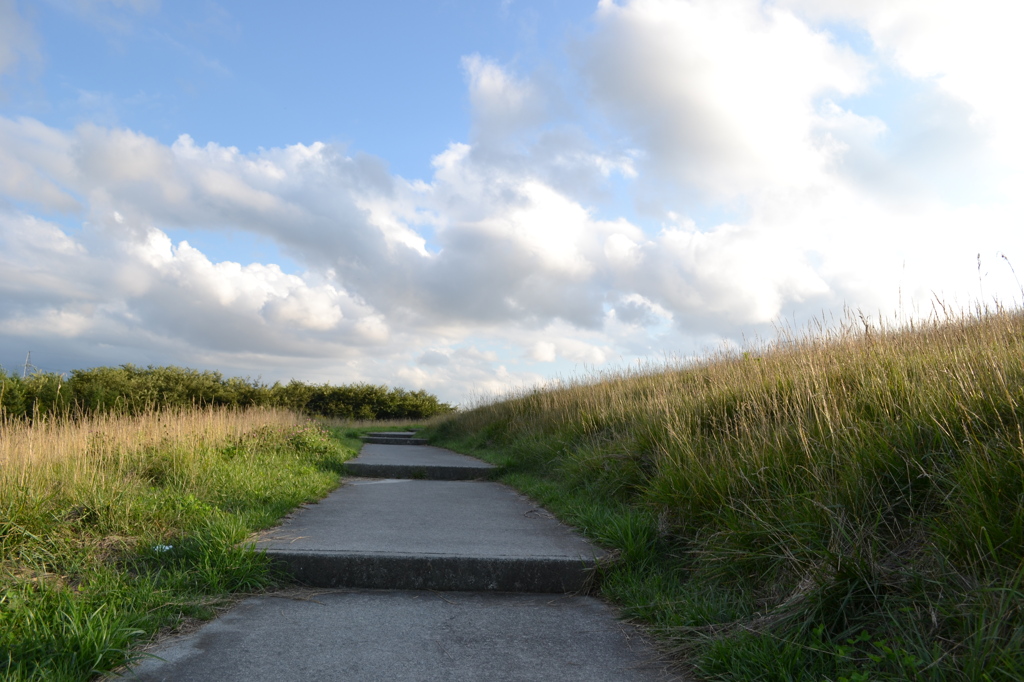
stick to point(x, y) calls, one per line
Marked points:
point(115, 527)
point(86, 451)
point(858, 478)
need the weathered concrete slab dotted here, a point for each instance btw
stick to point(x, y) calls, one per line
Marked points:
point(436, 535)
point(417, 461)
point(394, 440)
point(366, 636)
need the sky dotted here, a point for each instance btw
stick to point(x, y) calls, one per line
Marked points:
point(475, 196)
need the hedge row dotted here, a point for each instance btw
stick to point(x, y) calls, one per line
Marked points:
point(131, 390)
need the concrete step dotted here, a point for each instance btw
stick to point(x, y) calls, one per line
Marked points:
point(372, 636)
point(416, 461)
point(431, 535)
point(394, 440)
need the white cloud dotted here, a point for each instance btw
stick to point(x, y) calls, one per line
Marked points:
point(637, 310)
point(543, 351)
point(971, 50)
point(959, 61)
point(530, 251)
point(37, 164)
point(17, 37)
point(504, 267)
point(62, 323)
point(723, 96)
point(502, 104)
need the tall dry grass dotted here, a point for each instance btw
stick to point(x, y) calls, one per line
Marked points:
point(90, 451)
point(862, 477)
point(113, 527)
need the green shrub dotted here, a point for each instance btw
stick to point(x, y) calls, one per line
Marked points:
point(134, 390)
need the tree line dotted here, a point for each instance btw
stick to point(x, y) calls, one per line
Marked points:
point(131, 390)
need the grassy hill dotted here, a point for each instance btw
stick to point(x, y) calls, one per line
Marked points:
point(847, 505)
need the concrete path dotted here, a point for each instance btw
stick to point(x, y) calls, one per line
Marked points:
point(459, 569)
point(431, 535)
point(419, 462)
point(397, 635)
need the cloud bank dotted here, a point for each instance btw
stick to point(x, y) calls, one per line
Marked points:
point(765, 185)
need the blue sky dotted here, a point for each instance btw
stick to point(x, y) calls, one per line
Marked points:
point(469, 197)
point(382, 78)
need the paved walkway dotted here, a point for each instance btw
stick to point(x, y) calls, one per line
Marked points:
point(416, 462)
point(418, 579)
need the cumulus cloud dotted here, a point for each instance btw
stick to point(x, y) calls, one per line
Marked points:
point(502, 104)
point(724, 97)
point(968, 50)
point(752, 105)
point(504, 266)
point(510, 250)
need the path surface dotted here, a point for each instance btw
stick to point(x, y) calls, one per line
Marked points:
point(472, 582)
point(416, 462)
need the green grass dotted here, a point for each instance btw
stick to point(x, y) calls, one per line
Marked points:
point(114, 529)
point(848, 505)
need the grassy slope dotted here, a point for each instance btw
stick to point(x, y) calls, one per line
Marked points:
point(842, 507)
point(113, 528)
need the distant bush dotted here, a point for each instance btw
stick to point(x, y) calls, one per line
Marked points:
point(133, 390)
point(38, 394)
point(364, 401)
